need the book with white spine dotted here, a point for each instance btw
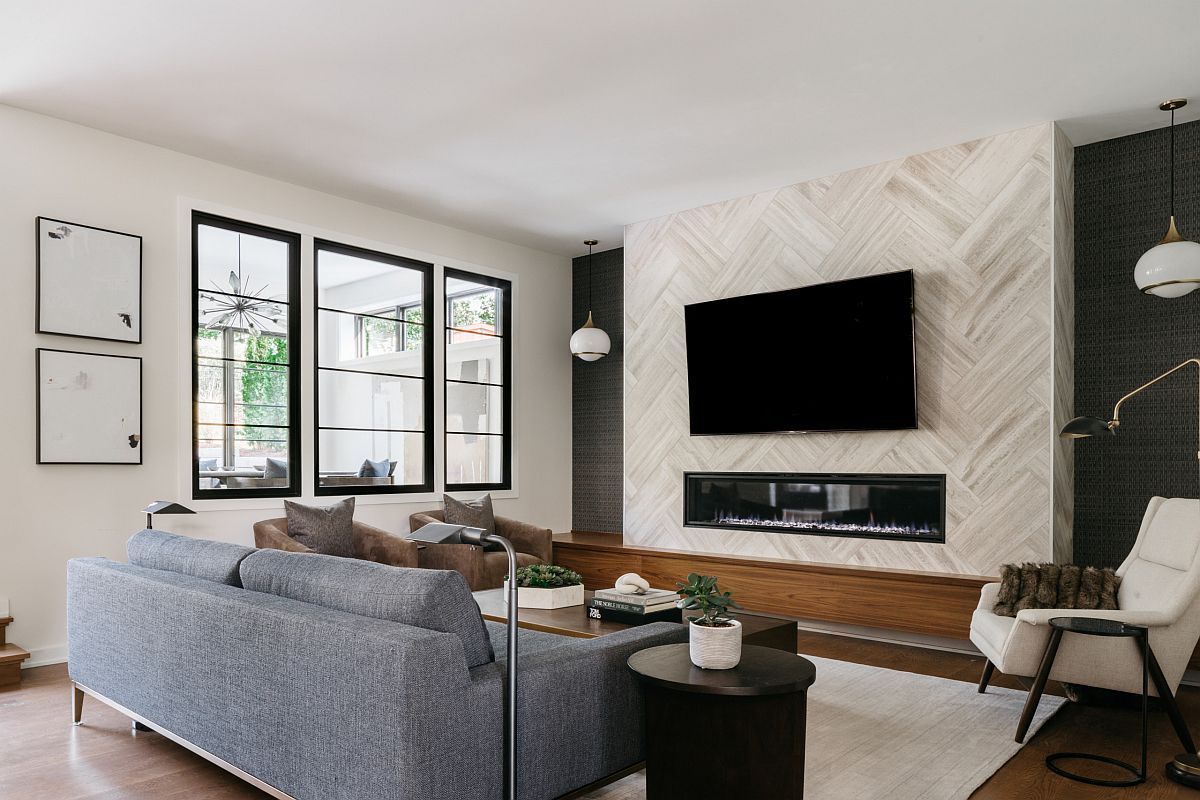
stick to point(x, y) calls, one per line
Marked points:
point(651, 597)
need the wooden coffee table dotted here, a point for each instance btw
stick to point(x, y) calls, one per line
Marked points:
point(758, 629)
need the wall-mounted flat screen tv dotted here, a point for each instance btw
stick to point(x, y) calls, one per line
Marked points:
point(836, 356)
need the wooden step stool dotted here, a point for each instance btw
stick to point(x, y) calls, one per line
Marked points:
point(11, 657)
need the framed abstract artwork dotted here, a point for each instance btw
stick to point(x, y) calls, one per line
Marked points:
point(89, 408)
point(89, 282)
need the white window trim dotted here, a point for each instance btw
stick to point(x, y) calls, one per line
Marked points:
point(308, 233)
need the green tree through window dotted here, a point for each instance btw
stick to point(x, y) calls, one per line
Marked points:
point(264, 390)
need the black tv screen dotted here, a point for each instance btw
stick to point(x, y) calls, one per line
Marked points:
point(830, 357)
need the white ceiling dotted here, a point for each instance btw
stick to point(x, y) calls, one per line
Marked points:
point(546, 122)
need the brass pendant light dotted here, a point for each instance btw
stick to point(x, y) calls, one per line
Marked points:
point(1172, 267)
point(590, 343)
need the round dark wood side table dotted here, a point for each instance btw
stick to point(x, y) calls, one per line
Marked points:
point(724, 732)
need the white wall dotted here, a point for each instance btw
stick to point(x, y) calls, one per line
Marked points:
point(53, 513)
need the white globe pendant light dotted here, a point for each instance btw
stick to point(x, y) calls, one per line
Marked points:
point(1172, 267)
point(590, 343)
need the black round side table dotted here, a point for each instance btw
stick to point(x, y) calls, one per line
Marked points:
point(1091, 626)
point(757, 709)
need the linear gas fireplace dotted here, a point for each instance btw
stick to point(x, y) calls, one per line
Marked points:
point(909, 508)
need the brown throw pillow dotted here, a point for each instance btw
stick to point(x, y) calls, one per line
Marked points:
point(473, 514)
point(326, 529)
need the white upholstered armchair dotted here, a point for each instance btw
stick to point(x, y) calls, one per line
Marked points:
point(1160, 589)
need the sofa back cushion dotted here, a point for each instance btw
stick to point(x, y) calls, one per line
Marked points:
point(437, 600)
point(200, 558)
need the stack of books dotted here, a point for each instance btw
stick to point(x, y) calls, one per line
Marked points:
point(656, 605)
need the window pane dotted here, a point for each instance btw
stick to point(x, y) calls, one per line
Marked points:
point(472, 307)
point(358, 282)
point(241, 264)
point(342, 454)
point(371, 353)
point(351, 341)
point(357, 400)
point(243, 399)
point(480, 360)
point(470, 407)
point(210, 382)
point(474, 459)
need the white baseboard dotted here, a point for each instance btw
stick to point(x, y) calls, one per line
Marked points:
point(45, 656)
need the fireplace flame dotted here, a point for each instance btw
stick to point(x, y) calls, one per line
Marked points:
point(923, 529)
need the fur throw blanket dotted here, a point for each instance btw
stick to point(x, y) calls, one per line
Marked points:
point(1055, 586)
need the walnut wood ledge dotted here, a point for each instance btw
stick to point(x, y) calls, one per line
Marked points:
point(928, 603)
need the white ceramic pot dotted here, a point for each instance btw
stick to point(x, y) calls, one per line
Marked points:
point(715, 648)
point(560, 597)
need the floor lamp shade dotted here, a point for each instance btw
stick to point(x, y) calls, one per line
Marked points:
point(1083, 427)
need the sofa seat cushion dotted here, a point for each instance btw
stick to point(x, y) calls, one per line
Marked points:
point(437, 600)
point(200, 558)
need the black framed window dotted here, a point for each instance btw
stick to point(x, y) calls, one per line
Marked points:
point(478, 381)
point(374, 371)
point(245, 350)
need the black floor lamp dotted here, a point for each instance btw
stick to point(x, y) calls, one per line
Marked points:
point(1185, 768)
point(440, 533)
point(163, 507)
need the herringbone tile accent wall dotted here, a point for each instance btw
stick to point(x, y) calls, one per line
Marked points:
point(975, 221)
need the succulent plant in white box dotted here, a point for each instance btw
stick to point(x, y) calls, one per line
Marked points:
point(547, 586)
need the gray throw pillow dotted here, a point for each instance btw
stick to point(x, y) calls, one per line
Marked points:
point(275, 468)
point(208, 464)
point(376, 469)
point(326, 529)
point(473, 514)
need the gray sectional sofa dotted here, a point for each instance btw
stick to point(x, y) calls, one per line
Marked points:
point(322, 677)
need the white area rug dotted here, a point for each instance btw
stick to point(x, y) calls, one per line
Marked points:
point(879, 733)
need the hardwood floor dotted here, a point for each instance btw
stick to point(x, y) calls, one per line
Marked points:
point(44, 757)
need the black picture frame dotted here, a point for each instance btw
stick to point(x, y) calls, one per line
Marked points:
point(426, 269)
point(40, 302)
point(40, 414)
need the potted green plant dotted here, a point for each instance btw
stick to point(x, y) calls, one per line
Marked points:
point(547, 586)
point(715, 638)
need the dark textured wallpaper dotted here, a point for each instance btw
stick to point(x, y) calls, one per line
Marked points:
point(598, 400)
point(1124, 338)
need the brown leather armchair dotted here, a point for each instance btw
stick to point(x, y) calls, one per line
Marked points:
point(482, 569)
point(370, 543)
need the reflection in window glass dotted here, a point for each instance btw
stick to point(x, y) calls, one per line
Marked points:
point(373, 426)
point(244, 377)
point(478, 391)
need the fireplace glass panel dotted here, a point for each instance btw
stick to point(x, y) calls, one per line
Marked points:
point(897, 507)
